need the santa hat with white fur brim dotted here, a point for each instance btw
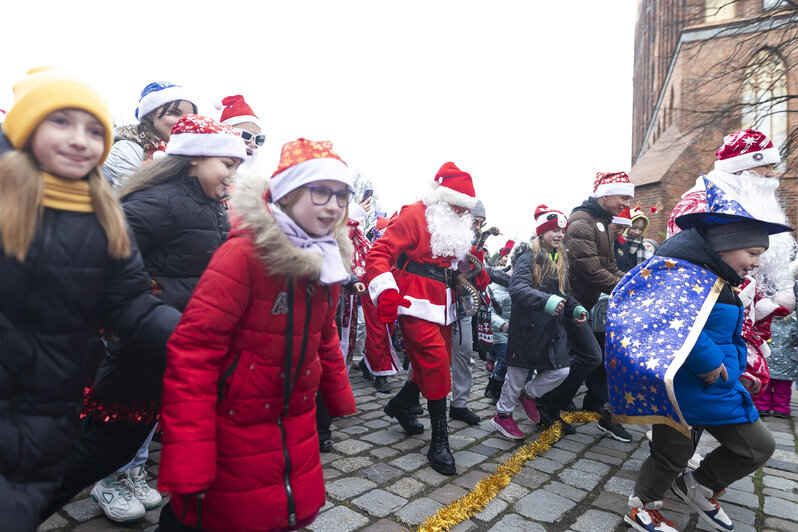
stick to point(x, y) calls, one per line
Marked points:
point(303, 161)
point(745, 149)
point(199, 136)
point(453, 186)
point(236, 111)
point(623, 218)
point(158, 94)
point(612, 184)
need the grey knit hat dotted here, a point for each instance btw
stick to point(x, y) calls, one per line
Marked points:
point(736, 235)
point(479, 210)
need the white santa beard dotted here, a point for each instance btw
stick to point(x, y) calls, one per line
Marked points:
point(450, 234)
point(757, 195)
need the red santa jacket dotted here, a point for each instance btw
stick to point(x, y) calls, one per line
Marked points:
point(223, 432)
point(407, 235)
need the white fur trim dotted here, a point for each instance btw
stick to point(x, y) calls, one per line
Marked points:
point(621, 221)
point(614, 189)
point(207, 145)
point(427, 311)
point(450, 196)
point(749, 160)
point(357, 213)
point(764, 308)
point(232, 121)
point(394, 359)
point(315, 169)
point(794, 269)
point(156, 99)
point(380, 284)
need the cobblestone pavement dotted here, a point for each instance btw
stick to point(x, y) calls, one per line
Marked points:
point(378, 479)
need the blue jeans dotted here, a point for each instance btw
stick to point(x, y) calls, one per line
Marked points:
point(500, 369)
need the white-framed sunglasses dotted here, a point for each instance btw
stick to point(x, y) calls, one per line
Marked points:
point(247, 136)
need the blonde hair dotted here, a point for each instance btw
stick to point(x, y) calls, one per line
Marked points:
point(169, 168)
point(288, 201)
point(21, 196)
point(543, 267)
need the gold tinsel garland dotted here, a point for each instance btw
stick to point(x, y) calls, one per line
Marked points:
point(488, 488)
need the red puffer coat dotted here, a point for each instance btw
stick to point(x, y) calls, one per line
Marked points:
point(255, 318)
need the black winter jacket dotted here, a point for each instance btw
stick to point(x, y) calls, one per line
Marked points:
point(177, 228)
point(52, 307)
point(535, 339)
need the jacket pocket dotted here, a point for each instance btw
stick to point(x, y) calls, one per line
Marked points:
point(225, 383)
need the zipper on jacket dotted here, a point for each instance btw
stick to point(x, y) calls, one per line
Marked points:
point(223, 379)
point(289, 347)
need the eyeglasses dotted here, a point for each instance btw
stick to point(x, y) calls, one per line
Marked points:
point(320, 195)
point(247, 136)
point(479, 225)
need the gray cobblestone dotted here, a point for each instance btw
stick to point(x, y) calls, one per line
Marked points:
point(380, 473)
point(620, 485)
point(352, 464)
point(468, 459)
point(406, 487)
point(542, 505)
point(414, 513)
point(546, 465)
point(382, 437)
point(338, 519)
point(516, 523)
point(591, 466)
point(780, 508)
point(379, 503)
point(409, 462)
point(596, 521)
point(448, 493)
point(579, 479)
point(559, 455)
point(566, 491)
point(512, 492)
point(492, 510)
point(348, 487)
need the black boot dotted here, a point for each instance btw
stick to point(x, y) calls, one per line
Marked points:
point(399, 408)
point(439, 455)
point(381, 384)
point(494, 390)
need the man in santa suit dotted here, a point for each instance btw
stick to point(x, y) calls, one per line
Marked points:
point(410, 273)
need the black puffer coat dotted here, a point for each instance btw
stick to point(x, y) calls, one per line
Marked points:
point(52, 307)
point(535, 339)
point(177, 229)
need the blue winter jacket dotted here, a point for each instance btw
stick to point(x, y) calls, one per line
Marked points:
point(724, 402)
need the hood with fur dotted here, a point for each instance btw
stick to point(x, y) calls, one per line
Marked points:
point(250, 214)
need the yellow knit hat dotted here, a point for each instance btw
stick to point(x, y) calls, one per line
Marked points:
point(46, 90)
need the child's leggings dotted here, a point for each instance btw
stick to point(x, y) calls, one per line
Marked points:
point(537, 386)
point(776, 396)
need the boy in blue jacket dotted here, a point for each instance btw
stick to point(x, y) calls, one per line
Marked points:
point(675, 355)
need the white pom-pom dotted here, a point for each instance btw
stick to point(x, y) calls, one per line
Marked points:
point(218, 105)
point(158, 155)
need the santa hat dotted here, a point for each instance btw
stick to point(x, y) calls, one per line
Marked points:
point(160, 93)
point(303, 161)
point(508, 247)
point(623, 218)
point(453, 186)
point(547, 219)
point(612, 184)
point(199, 136)
point(236, 111)
point(744, 149)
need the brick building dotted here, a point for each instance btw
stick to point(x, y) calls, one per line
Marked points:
point(702, 69)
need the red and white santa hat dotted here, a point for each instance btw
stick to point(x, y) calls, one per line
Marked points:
point(612, 184)
point(623, 218)
point(744, 149)
point(200, 136)
point(236, 111)
point(547, 219)
point(303, 161)
point(453, 186)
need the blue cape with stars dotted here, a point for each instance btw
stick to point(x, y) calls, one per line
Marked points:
point(654, 317)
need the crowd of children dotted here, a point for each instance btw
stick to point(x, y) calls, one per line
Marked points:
point(150, 285)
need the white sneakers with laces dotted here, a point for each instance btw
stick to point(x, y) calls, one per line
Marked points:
point(147, 496)
point(125, 495)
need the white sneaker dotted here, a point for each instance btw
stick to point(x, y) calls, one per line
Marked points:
point(147, 496)
point(695, 461)
point(646, 517)
point(116, 499)
point(702, 500)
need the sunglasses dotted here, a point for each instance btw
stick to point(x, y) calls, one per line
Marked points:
point(320, 195)
point(247, 136)
point(460, 210)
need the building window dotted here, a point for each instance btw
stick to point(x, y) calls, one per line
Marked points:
point(718, 10)
point(765, 98)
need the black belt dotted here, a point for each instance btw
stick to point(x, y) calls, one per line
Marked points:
point(430, 271)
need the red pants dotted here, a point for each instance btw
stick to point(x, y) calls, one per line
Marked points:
point(429, 346)
point(379, 354)
point(776, 396)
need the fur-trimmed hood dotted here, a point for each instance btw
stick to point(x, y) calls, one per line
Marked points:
point(250, 214)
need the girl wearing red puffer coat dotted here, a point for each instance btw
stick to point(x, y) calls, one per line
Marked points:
point(254, 345)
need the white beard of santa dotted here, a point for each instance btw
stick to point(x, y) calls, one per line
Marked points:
point(757, 195)
point(450, 234)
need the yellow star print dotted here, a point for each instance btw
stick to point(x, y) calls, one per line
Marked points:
point(630, 399)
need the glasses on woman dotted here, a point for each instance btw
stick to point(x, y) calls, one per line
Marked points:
point(247, 136)
point(320, 195)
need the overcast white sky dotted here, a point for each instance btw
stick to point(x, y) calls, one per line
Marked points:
point(530, 97)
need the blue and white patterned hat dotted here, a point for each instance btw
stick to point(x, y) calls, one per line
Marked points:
point(160, 93)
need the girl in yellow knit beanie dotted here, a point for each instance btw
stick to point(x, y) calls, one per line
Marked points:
point(68, 269)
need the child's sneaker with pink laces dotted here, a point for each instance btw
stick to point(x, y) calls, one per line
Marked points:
point(505, 424)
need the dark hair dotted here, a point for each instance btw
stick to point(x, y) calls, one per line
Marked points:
point(146, 127)
point(169, 168)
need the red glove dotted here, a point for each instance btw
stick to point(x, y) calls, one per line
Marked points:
point(478, 254)
point(388, 305)
point(482, 280)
